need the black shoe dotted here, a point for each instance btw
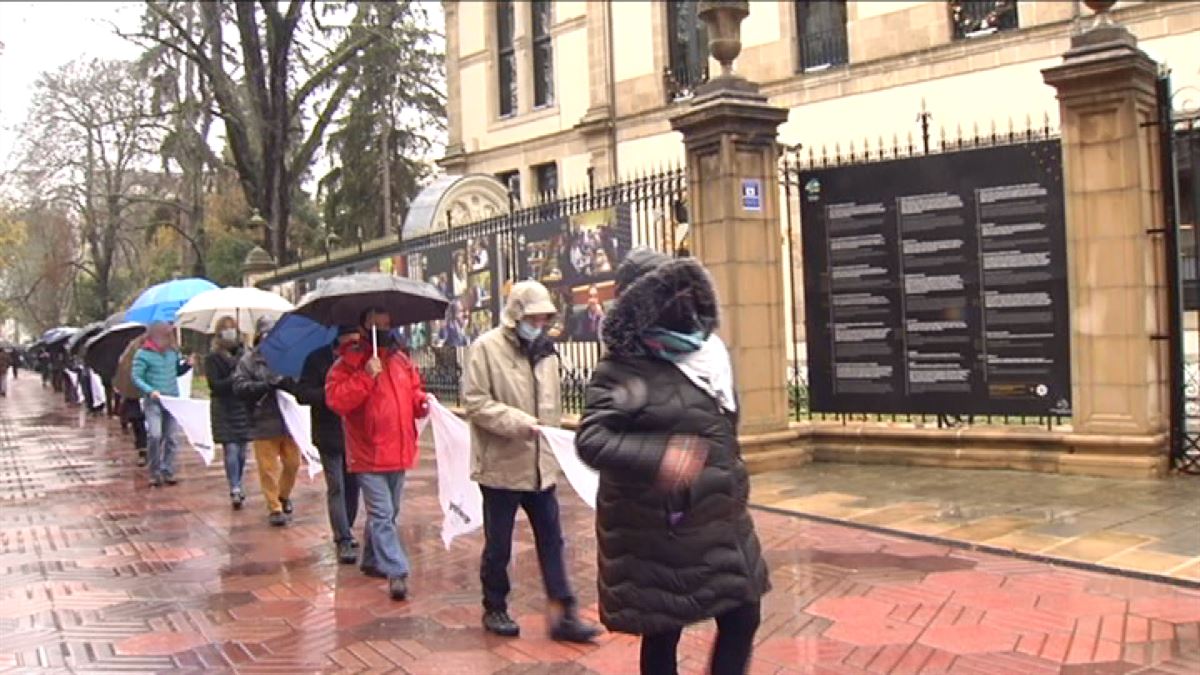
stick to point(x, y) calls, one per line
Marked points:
point(287, 506)
point(141, 459)
point(171, 480)
point(500, 623)
point(398, 588)
point(354, 543)
point(157, 481)
point(346, 554)
point(236, 499)
point(278, 519)
point(570, 628)
point(373, 572)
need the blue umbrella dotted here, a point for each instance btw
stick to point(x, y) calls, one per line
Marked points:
point(161, 301)
point(290, 342)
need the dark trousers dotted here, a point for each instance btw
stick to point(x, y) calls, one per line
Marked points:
point(499, 514)
point(341, 494)
point(131, 413)
point(731, 651)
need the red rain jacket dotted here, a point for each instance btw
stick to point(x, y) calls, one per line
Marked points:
point(379, 414)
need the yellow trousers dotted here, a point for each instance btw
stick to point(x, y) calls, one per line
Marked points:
point(278, 462)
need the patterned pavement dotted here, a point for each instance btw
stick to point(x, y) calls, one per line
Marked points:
point(102, 574)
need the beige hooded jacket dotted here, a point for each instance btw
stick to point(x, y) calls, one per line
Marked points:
point(505, 398)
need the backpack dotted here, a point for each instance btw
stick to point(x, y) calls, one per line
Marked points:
point(123, 382)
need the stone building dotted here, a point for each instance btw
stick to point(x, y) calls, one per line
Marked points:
point(547, 94)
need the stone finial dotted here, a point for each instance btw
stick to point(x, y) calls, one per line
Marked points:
point(724, 21)
point(1102, 9)
point(258, 261)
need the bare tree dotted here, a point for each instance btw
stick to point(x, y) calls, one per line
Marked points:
point(277, 91)
point(87, 143)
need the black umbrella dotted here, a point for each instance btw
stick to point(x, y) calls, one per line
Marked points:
point(56, 338)
point(339, 301)
point(76, 341)
point(103, 351)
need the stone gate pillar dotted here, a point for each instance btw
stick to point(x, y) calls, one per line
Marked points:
point(729, 132)
point(1116, 266)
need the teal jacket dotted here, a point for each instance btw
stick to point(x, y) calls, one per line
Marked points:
point(157, 371)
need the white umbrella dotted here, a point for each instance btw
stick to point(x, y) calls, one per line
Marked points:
point(246, 305)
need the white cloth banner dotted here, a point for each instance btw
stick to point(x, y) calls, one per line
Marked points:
point(193, 417)
point(185, 384)
point(98, 394)
point(75, 384)
point(298, 420)
point(582, 477)
point(459, 496)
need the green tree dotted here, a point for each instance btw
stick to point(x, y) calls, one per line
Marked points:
point(393, 122)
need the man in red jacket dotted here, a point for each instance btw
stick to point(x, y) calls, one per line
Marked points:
point(379, 397)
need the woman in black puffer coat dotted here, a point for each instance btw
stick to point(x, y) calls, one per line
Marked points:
point(676, 541)
point(231, 423)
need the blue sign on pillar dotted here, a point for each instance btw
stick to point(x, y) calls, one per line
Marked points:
point(751, 194)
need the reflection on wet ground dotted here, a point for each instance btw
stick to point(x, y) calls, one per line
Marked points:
point(1144, 526)
point(101, 573)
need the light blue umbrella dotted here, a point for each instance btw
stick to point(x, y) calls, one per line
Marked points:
point(161, 301)
point(290, 342)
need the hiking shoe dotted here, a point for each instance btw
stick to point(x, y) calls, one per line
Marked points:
point(157, 481)
point(570, 628)
point(236, 499)
point(287, 506)
point(373, 572)
point(398, 588)
point(142, 458)
point(500, 623)
point(346, 553)
point(171, 480)
point(278, 519)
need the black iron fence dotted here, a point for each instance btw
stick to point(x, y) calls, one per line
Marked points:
point(656, 205)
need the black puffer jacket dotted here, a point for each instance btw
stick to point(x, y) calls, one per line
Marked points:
point(657, 575)
point(255, 383)
point(327, 432)
point(230, 415)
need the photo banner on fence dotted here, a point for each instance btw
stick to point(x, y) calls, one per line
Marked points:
point(464, 271)
point(937, 284)
point(576, 257)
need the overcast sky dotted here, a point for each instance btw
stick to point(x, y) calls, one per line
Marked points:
point(41, 36)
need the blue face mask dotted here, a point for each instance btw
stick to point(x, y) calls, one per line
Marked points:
point(672, 345)
point(528, 332)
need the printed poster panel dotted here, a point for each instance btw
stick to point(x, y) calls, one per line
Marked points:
point(576, 258)
point(938, 284)
point(464, 272)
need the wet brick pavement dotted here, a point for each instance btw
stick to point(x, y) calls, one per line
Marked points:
point(102, 574)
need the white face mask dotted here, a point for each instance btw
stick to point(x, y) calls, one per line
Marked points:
point(229, 334)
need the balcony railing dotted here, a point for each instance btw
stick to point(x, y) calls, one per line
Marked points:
point(975, 18)
point(823, 49)
point(681, 82)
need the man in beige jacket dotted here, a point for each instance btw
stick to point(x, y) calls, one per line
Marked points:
point(511, 386)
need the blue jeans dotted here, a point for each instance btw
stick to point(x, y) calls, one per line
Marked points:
point(499, 514)
point(235, 463)
point(161, 441)
point(341, 495)
point(382, 550)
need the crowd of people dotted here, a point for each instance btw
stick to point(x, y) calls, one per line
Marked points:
point(676, 542)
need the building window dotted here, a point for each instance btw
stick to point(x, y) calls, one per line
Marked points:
point(546, 176)
point(507, 57)
point(687, 49)
point(821, 25)
point(976, 18)
point(511, 180)
point(543, 54)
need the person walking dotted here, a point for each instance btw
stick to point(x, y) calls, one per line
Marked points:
point(155, 372)
point(131, 412)
point(277, 455)
point(676, 541)
point(231, 424)
point(377, 392)
point(341, 486)
point(511, 386)
point(6, 362)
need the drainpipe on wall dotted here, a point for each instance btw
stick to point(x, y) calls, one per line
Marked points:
point(614, 173)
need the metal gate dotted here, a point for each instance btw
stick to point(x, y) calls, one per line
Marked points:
point(1179, 136)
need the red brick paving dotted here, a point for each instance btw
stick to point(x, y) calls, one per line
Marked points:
point(101, 573)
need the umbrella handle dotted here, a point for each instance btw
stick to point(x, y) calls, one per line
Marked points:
point(374, 341)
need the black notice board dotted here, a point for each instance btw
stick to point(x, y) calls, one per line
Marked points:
point(938, 284)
